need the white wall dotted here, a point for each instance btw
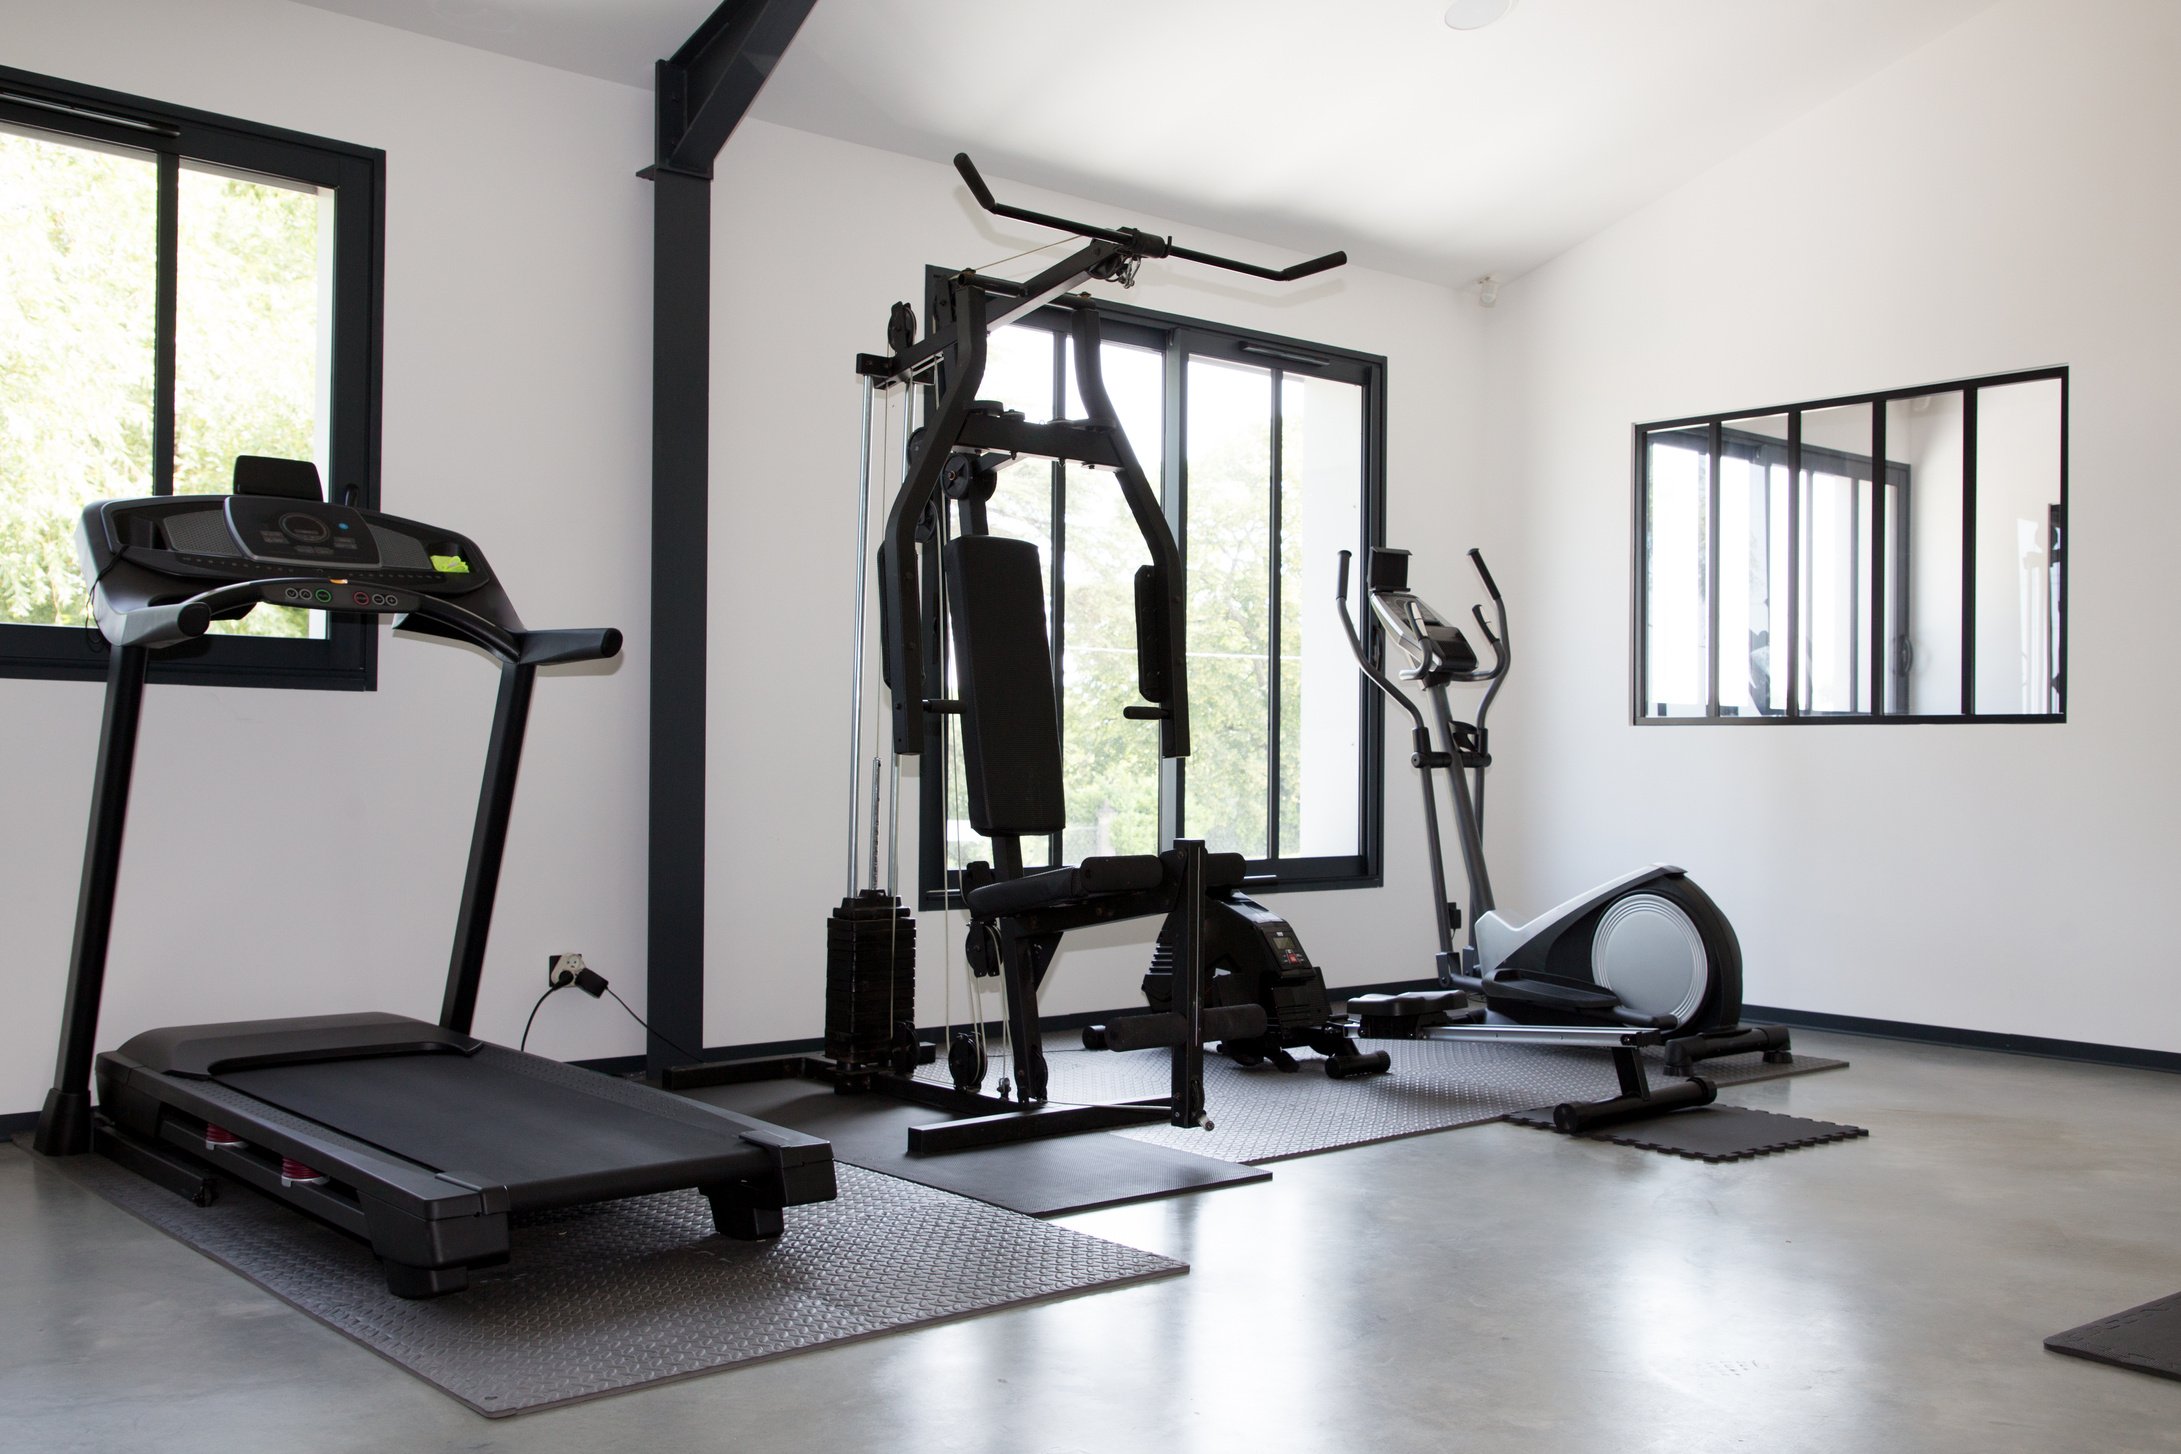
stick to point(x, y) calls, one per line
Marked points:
point(516, 376)
point(814, 239)
point(2001, 199)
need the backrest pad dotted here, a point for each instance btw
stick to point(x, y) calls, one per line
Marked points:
point(1004, 664)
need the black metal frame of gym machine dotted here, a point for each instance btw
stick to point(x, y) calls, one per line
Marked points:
point(954, 349)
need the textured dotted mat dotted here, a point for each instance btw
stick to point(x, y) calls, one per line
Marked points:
point(615, 1296)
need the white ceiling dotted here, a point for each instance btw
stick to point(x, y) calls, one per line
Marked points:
point(1308, 124)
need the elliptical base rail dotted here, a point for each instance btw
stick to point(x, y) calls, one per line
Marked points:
point(1638, 1100)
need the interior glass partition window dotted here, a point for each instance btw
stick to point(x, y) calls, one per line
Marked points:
point(1753, 539)
point(1265, 455)
point(1677, 570)
point(1893, 556)
point(2018, 478)
point(1924, 434)
point(176, 289)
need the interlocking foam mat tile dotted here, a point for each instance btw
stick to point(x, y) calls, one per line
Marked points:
point(2146, 1338)
point(1712, 1133)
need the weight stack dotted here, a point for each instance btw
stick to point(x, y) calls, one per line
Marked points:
point(870, 977)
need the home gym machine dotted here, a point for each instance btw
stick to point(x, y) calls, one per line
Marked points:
point(1646, 959)
point(411, 1135)
point(948, 586)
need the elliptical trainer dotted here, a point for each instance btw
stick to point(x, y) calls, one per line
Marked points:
point(1648, 950)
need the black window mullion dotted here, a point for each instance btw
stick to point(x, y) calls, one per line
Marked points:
point(1059, 495)
point(1712, 573)
point(1968, 552)
point(1272, 631)
point(165, 309)
point(1794, 563)
point(1880, 575)
point(2058, 545)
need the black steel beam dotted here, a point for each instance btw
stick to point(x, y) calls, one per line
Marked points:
point(708, 85)
point(703, 91)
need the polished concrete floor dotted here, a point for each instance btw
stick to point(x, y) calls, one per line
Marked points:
point(1491, 1289)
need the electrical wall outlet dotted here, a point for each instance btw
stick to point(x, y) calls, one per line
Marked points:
point(561, 969)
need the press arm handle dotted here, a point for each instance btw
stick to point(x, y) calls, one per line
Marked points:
point(1130, 237)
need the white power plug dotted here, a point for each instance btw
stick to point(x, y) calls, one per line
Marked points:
point(561, 969)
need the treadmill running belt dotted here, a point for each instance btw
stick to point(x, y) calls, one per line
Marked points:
point(488, 1120)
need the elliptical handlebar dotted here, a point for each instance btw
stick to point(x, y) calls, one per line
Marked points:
point(1502, 649)
point(1143, 244)
point(1371, 672)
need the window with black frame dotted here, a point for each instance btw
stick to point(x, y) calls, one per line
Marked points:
point(176, 289)
point(1266, 453)
point(1891, 556)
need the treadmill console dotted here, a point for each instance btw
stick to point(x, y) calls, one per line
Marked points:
point(200, 540)
point(299, 532)
point(163, 567)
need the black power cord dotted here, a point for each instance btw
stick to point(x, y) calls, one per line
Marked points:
point(550, 991)
point(593, 984)
point(639, 1019)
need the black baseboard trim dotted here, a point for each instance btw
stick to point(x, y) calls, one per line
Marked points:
point(1050, 1024)
point(2132, 1057)
point(2127, 1056)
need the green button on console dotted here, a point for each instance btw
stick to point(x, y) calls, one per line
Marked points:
point(325, 595)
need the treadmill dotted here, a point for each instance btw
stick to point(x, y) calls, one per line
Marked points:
point(414, 1136)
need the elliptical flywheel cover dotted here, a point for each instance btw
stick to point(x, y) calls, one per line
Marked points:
point(1648, 952)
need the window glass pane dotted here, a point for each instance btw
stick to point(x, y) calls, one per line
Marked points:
point(1321, 514)
point(2018, 502)
point(1229, 525)
point(78, 241)
point(1923, 621)
point(1835, 572)
point(1677, 611)
point(1021, 508)
point(253, 342)
point(1018, 371)
point(1753, 567)
point(1111, 763)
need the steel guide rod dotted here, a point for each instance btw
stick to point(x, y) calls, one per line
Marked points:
point(855, 684)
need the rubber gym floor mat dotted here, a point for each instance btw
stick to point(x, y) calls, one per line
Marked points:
point(1709, 1133)
point(2146, 1338)
point(1262, 1114)
point(1039, 1178)
point(618, 1295)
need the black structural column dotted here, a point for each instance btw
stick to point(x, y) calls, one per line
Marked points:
point(703, 91)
